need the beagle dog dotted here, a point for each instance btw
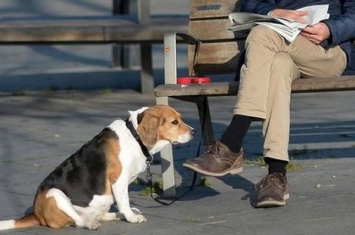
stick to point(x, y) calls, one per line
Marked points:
point(81, 190)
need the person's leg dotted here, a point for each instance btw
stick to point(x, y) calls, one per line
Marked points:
point(273, 189)
point(276, 125)
point(233, 136)
point(261, 46)
point(226, 155)
point(262, 94)
point(299, 58)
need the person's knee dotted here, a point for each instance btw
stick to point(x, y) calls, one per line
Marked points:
point(261, 33)
point(282, 59)
point(283, 65)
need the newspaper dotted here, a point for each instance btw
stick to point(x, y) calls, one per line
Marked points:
point(287, 28)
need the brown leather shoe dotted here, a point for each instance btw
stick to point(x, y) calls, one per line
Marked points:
point(272, 191)
point(218, 160)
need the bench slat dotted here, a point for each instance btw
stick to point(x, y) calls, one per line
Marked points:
point(152, 32)
point(223, 55)
point(211, 9)
point(91, 31)
point(231, 88)
point(66, 22)
point(201, 30)
point(57, 34)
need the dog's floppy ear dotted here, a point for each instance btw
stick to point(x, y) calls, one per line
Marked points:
point(148, 128)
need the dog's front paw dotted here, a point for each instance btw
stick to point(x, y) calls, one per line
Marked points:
point(93, 225)
point(136, 219)
point(136, 211)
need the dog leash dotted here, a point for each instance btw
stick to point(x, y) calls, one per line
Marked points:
point(149, 161)
point(150, 183)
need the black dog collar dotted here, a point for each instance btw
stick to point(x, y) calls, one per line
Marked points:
point(145, 151)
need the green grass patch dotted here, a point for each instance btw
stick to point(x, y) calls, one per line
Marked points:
point(191, 219)
point(146, 191)
point(256, 162)
point(291, 166)
point(204, 182)
point(157, 188)
point(294, 165)
point(139, 181)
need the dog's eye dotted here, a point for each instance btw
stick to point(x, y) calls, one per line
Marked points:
point(175, 122)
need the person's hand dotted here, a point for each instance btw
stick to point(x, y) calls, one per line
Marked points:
point(316, 33)
point(290, 14)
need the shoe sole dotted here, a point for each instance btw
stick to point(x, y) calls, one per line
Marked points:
point(272, 203)
point(207, 173)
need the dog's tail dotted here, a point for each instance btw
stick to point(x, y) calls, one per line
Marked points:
point(24, 222)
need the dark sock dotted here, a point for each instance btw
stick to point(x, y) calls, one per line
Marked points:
point(276, 165)
point(235, 132)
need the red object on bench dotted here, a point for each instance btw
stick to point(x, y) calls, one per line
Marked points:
point(188, 80)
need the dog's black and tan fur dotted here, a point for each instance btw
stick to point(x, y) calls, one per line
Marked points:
point(81, 190)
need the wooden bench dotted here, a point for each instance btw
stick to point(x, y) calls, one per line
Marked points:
point(139, 28)
point(218, 53)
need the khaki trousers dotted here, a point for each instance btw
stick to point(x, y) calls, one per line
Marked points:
point(270, 66)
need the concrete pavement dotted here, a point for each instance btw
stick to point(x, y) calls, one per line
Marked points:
point(41, 129)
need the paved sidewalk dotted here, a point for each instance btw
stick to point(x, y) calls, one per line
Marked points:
point(39, 130)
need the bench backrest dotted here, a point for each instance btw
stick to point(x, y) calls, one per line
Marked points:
point(220, 48)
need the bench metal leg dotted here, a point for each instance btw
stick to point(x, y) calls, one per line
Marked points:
point(147, 76)
point(205, 120)
point(167, 163)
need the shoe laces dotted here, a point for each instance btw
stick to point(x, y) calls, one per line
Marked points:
point(275, 179)
point(213, 149)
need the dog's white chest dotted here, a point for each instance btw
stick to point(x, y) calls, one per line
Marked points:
point(137, 168)
point(131, 156)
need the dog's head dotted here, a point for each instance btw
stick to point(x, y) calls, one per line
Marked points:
point(159, 125)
